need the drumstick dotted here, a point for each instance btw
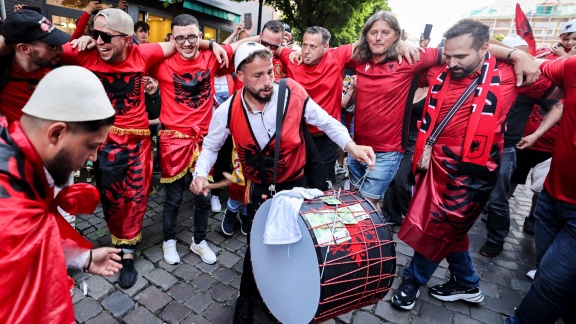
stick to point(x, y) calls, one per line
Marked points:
point(222, 183)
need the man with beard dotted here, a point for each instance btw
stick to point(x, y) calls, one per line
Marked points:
point(63, 124)
point(464, 157)
point(34, 48)
point(250, 118)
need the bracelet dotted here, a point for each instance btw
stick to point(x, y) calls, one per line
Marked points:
point(212, 42)
point(510, 53)
point(89, 263)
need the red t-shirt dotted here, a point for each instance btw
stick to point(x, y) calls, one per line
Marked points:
point(508, 93)
point(381, 94)
point(18, 90)
point(561, 180)
point(122, 81)
point(547, 142)
point(323, 81)
point(187, 89)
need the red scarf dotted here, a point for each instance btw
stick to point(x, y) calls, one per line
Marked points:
point(483, 117)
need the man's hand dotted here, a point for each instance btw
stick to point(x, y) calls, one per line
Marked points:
point(295, 57)
point(525, 67)
point(93, 6)
point(104, 261)
point(423, 41)
point(361, 153)
point(221, 54)
point(197, 186)
point(19, 7)
point(150, 84)
point(83, 43)
point(527, 141)
point(411, 53)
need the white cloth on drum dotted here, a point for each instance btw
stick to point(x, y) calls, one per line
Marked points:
point(282, 222)
point(539, 173)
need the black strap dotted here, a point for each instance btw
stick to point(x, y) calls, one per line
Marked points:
point(279, 115)
point(408, 110)
point(440, 126)
point(312, 146)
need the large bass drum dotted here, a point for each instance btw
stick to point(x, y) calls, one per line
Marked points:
point(345, 260)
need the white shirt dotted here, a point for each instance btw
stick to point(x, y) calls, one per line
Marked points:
point(263, 125)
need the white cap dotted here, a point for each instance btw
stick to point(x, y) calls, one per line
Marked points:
point(69, 94)
point(245, 50)
point(117, 20)
point(514, 40)
point(569, 27)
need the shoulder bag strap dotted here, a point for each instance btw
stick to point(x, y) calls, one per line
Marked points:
point(279, 119)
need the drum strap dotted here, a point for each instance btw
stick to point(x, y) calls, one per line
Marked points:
point(279, 119)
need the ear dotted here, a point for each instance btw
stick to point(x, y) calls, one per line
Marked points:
point(484, 49)
point(56, 132)
point(24, 48)
point(240, 75)
point(200, 35)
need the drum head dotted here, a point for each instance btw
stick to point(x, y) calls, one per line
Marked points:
point(287, 276)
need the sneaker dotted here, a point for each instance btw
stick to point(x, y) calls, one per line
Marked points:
point(452, 291)
point(243, 311)
point(405, 296)
point(491, 249)
point(228, 223)
point(245, 224)
point(128, 274)
point(529, 223)
point(340, 170)
point(531, 274)
point(204, 251)
point(170, 254)
point(215, 204)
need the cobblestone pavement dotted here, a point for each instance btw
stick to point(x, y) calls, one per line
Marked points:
point(195, 292)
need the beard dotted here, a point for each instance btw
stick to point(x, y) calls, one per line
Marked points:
point(60, 168)
point(460, 72)
point(259, 96)
point(44, 62)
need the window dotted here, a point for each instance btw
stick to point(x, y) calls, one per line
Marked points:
point(159, 26)
point(549, 32)
point(537, 31)
point(210, 33)
point(222, 35)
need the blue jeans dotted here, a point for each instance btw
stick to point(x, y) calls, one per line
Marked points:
point(376, 181)
point(172, 202)
point(237, 206)
point(553, 291)
point(459, 264)
point(498, 221)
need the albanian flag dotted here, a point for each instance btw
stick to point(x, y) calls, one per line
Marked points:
point(524, 30)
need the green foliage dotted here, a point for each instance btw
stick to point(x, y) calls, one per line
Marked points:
point(498, 37)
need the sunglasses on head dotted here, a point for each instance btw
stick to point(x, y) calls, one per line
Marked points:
point(106, 38)
point(182, 39)
point(271, 46)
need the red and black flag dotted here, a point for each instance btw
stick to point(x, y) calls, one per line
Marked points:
point(524, 30)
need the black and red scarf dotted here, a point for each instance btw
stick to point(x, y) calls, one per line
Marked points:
point(483, 114)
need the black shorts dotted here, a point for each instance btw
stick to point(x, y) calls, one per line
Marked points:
point(525, 161)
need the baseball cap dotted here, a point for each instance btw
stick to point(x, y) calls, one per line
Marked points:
point(69, 94)
point(245, 50)
point(25, 26)
point(117, 20)
point(514, 40)
point(569, 27)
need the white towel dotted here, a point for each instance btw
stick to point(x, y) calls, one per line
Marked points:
point(282, 222)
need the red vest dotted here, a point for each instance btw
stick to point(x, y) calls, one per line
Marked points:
point(258, 164)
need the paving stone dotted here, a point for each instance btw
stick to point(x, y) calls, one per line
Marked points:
point(195, 319)
point(463, 319)
point(87, 309)
point(215, 237)
point(203, 282)
point(231, 245)
point(436, 313)
point(181, 292)
point(154, 253)
point(404, 249)
point(186, 272)
point(239, 266)
point(458, 306)
point(520, 285)
point(489, 289)
point(175, 312)
point(141, 316)
point(153, 298)
point(224, 275)
point(228, 259)
point(198, 303)
point(162, 278)
point(499, 306)
point(389, 313)
point(236, 282)
point(78, 294)
point(168, 267)
point(117, 304)
point(512, 265)
point(98, 287)
point(421, 320)
point(207, 268)
point(346, 318)
point(222, 293)
point(483, 314)
point(494, 278)
point(510, 295)
point(217, 313)
point(191, 258)
point(142, 265)
point(103, 318)
point(362, 317)
point(139, 285)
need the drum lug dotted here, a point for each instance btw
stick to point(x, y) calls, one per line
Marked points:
point(272, 190)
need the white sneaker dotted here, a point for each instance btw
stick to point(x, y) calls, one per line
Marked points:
point(204, 251)
point(215, 204)
point(531, 274)
point(170, 254)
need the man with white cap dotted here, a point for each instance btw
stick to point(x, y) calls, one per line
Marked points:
point(250, 118)
point(34, 48)
point(497, 207)
point(63, 124)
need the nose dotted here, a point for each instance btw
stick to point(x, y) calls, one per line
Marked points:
point(99, 40)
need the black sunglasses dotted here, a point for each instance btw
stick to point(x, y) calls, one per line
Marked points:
point(182, 39)
point(106, 38)
point(271, 46)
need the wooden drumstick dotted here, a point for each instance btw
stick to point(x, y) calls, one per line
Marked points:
point(222, 183)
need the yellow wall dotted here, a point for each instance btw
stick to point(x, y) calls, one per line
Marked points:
point(158, 30)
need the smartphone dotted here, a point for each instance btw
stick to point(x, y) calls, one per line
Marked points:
point(37, 9)
point(427, 31)
point(95, 11)
point(247, 20)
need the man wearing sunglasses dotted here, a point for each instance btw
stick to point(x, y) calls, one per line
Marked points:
point(272, 36)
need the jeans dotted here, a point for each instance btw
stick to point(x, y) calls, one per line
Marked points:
point(459, 264)
point(174, 193)
point(552, 293)
point(498, 221)
point(237, 206)
point(372, 184)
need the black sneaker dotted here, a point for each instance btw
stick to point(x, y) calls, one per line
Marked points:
point(229, 223)
point(491, 249)
point(128, 274)
point(405, 296)
point(529, 223)
point(243, 311)
point(246, 224)
point(452, 291)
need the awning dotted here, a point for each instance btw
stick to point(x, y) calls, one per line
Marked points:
point(214, 8)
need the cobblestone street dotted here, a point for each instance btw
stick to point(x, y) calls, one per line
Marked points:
point(195, 292)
